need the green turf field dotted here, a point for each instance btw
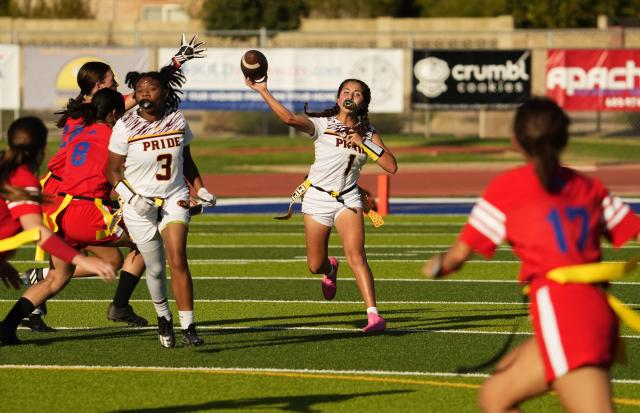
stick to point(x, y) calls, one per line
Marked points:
point(274, 344)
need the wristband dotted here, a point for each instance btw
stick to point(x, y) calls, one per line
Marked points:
point(124, 190)
point(54, 245)
point(372, 149)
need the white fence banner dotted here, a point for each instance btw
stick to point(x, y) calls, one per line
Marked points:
point(296, 76)
point(9, 76)
point(50, 72)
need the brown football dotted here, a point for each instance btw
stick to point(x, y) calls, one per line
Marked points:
point(254, 65)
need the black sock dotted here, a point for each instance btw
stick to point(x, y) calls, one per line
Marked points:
point(126, 284)
point(21, 309)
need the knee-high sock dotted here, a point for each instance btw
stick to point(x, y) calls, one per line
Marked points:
point(153, 255)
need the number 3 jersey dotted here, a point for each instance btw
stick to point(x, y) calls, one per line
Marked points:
point(154, 152)
point(337, 164)
point(548, 230)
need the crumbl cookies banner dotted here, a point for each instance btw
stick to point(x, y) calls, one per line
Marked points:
point(296, 76)
point(594, 80)
point(458, 79)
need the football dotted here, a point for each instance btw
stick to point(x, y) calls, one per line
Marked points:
point(254, 65)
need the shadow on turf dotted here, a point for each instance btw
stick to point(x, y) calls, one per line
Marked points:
point(285, 403)
point(43, 339)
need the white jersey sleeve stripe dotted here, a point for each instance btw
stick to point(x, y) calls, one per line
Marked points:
point(551, 333)
point(614, 210)
point(492, 210)
point(488, 220)
point(485, 230)
point(14, 204)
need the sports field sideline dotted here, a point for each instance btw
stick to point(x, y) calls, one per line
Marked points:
point(273, 343)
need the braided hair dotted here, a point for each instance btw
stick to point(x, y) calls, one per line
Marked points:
point(541, 128)
point(170, 78)
point(89, 74)
point(361, 113)
point(27, 138)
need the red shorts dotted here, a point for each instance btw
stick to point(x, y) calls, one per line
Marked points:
point(81, 223)
point(574, 326)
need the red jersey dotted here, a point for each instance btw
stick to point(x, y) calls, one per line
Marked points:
point(71, 128)
point(10, 212)
point(86, 161)
point(548, 230)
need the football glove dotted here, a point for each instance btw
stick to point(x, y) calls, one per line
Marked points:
point(206, 198)
point(142, 205)
point(188, 51)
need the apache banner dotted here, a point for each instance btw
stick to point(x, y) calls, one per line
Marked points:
point(447, 79)
point(9, 77)
point(295, 76)
point(594, 80)
point(50, 72)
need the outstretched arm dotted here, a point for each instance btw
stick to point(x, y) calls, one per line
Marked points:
point(301, 123)
point(442, 264)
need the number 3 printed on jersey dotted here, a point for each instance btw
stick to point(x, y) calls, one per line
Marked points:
point(165, 167)
point(557, 217)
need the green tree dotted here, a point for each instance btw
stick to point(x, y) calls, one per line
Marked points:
point(254, 14)
point(363, 8)
point(570, 13)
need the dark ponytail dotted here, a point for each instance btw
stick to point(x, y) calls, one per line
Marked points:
point(104, 102)
point(89, 74)
point(541, 128)
point(27, 138)
point(170, 78)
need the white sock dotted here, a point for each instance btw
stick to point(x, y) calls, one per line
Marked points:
point(186, 319)
point(162, 309)
point(373, 310)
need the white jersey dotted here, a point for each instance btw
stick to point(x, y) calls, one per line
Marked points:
point(154, 152)
point(337, 164)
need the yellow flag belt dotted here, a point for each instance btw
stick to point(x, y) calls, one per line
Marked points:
point(601, 272)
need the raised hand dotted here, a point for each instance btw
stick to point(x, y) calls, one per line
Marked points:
point(188, 51)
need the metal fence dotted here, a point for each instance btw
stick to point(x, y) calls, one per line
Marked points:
point(485, 123)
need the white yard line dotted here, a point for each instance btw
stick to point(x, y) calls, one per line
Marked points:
point(265, 371)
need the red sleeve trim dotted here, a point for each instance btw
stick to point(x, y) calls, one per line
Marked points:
point(477, 241)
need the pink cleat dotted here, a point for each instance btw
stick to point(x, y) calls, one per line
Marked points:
point(376, 324)
point(329, 283)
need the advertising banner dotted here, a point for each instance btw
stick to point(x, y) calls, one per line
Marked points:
point(296, 76)
point(594, 80)
point(50, 73)
point(470, 78)
point(9, 77)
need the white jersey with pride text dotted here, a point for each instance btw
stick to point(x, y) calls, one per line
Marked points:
point(337, 164)
point(154, 152)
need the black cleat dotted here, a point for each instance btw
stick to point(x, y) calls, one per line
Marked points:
point(165, 333)
point(8, 337)
point(125, 315)
point(33, 276)
point(36, 323)
point(190, 337)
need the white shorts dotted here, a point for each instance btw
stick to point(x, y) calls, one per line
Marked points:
point(143, 228)
point(325, 209)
